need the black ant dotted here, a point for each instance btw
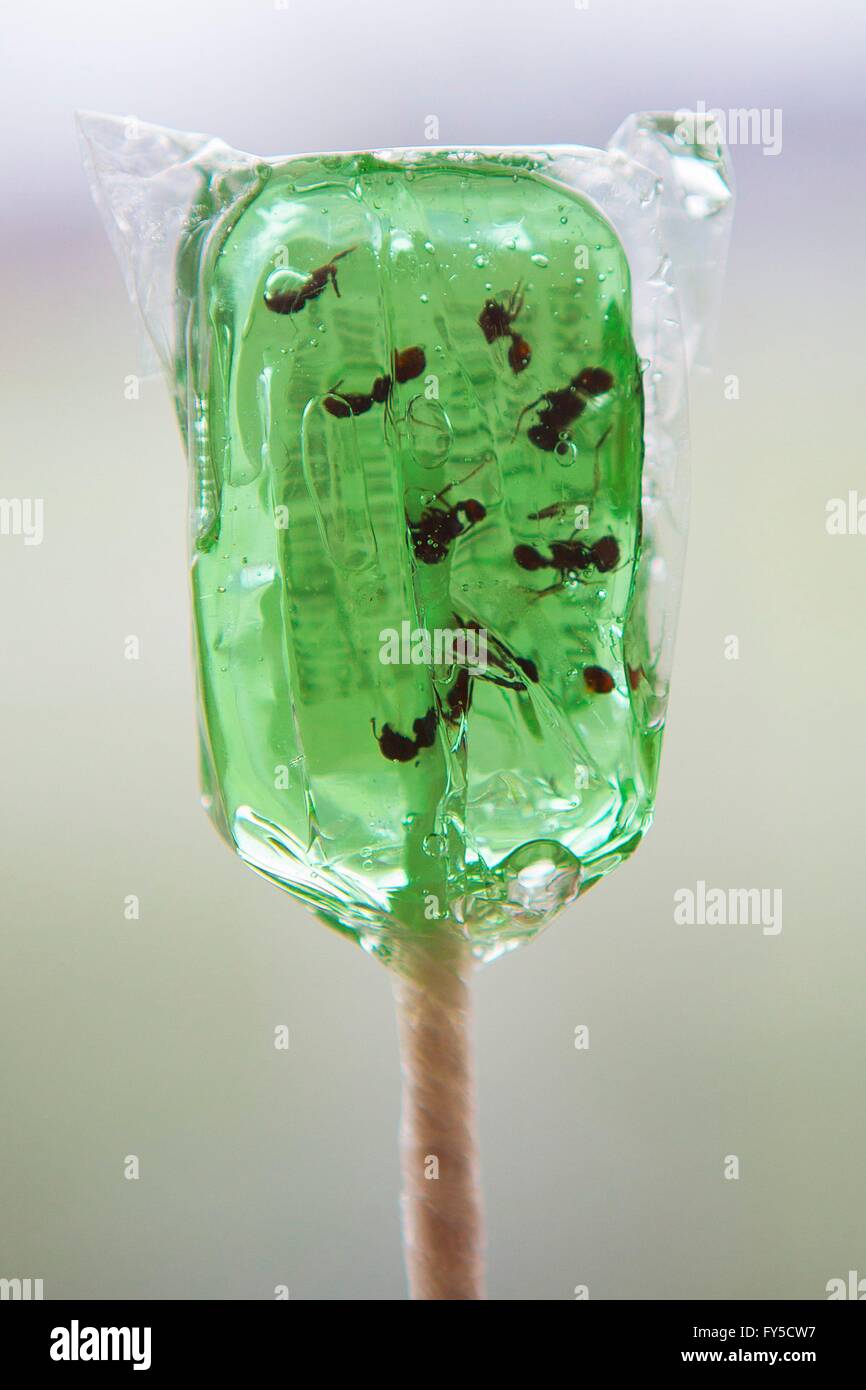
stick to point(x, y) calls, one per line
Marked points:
point(408, 363)
point(437, 527)
point(598, 680)
point(526, 664)
point(292, 301)
point(529, 668)
point(635, 675)
point(459, 696)
point(569, 557)
point(399, 748)
point(495, 322)
point(504, 658)
point(555, 509)
point(351, 403)
point(563, 407)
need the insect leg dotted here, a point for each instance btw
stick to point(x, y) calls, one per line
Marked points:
point(531, 406)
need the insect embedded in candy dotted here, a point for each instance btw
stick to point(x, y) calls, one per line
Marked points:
point(399, 748)
point(597, 680)
point(439, 525)
point(563, 407)
point(495, 322)
point(407, 364)
point(569, 557)
point(291, 301)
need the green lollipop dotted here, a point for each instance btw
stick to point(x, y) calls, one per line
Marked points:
point(376, 462)
point(431, 700)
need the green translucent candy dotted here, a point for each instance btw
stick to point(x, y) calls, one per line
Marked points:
point(364, 346)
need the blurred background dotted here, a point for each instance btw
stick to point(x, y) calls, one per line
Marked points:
point(154, 1038)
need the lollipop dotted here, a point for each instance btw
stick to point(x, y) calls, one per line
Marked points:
point(433, 407)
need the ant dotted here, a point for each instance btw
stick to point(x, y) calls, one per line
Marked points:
point(505, 660)
point(495, 322)
point(563, 407)
point(408, 363)
point(635, 675)
point(527, 666)
point(459, 696)
point(555, 509)
point(292, 301)
point(598, 680)
point(437, 527)
point(353, 403)
point(569, 557)
point(399, 748)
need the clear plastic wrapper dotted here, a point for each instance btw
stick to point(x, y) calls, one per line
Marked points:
point(425, 392)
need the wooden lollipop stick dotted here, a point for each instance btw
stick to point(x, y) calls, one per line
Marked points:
point(442, 1213)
